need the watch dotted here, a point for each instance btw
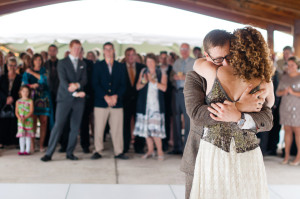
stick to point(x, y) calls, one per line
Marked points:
point(242, 121)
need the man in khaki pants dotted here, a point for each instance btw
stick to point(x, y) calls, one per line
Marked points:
point(109, 83)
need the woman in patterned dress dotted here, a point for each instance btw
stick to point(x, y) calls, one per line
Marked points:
point(150, 118)
point(36, 79)
point(289, 89)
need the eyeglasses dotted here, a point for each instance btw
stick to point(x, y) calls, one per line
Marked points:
point(220, 59)
point(184, 49)
point(12, 65)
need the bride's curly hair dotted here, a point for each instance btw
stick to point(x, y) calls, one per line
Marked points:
point(250, 55)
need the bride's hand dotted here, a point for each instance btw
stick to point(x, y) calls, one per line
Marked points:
point(226, 112)
point(251, 102)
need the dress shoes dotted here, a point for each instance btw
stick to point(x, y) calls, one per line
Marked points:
point(96, 156)
point(62, 150)
point(122, 156)
point(86, 150)
point(175, 152)
point(46, 158)
point(72, 157)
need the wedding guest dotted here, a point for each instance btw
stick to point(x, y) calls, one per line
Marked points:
point(70, 100)
point(67, 53)
point(36, 79)
point(150, 122)
point(24, 111)
point(139, 59)
point(88, 107)
point(289, 90)
point(273, 135)
point(129, 101)
point(91, 56)
point(167, 69)
point(2, 69)
point(197, 52)
point(30, 51)
point(10, 84)
point(282, 64)
point(27, 63)
point(98, 53)
point(45, 56)
point(109, 84)
point(52, 75)
point(9, 55)
point(172, 58)
point(53, 83)
point(180, 68)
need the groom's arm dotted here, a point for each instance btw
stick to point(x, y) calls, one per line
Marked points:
point(194, 96)
point(196, 107)
point(263, 119)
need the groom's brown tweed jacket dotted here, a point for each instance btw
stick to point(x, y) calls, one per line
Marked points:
point(196, 108)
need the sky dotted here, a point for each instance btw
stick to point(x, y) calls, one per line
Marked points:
point(125, 21)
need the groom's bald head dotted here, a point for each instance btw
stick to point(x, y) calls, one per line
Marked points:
point(216, 38)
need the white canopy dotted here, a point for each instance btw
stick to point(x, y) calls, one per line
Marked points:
point(98, 21)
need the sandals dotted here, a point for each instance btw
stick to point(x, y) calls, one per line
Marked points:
point(147, 155)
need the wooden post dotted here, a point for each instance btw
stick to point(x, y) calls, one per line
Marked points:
point(296, 33)
point(270, 37)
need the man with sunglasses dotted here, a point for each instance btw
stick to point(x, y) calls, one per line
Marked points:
point(180, 69)
point(217, 50)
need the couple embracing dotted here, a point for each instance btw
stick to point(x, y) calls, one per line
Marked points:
point(228, 98)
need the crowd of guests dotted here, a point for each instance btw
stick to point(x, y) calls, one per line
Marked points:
point(130, 98)
point(137, 99)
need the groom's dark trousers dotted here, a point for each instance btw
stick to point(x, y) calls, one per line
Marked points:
point(196, 108)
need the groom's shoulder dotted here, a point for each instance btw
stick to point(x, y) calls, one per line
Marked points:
point(195, 76)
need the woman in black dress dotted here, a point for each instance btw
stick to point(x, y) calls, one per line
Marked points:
point(9, 87)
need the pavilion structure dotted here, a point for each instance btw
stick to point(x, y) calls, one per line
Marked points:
point(266, 14)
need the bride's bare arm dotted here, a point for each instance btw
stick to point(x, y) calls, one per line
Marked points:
point(205, 68)
point(197, 109)
point(270, 99)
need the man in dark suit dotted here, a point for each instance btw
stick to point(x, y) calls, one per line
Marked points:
point(51, 67)
point(88, 107)
point(129, 101)
point(109, 84)
point(53, 82)
point(70, 100)
point(197, 109)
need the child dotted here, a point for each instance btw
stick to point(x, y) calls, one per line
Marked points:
point(24, 111)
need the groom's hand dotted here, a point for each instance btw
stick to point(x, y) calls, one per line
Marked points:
point(251, 102)
point(226, 112)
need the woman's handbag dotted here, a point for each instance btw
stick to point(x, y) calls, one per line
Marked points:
point(7, 111)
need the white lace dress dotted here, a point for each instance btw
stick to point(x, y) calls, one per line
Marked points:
point(221, 175)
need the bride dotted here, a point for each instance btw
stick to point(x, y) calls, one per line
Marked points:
point(229, 162)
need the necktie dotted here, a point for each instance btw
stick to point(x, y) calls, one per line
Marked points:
point(109, 68)
point(131, 74)
point(75, 64)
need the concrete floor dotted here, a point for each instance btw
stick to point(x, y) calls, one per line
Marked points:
point(28, 170)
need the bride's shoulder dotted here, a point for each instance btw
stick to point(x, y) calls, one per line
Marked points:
point(205, 68)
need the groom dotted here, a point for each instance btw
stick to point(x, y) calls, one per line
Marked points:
point(216, 47)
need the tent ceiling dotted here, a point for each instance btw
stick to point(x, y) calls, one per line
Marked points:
point(260, 13)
